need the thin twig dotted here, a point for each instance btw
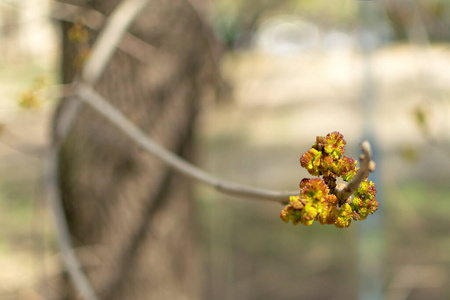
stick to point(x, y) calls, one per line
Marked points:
point(96, 101)
point(101, 53)
point(80, 280)
point(367, 165)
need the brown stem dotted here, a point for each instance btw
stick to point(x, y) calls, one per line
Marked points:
point(367, 165)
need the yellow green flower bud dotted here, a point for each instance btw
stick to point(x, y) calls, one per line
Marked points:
point(29, 100)
point(78, 33)
point(309, 213)
point(328, 214)
point(344, 216)
point(335, 144)
point(317, 199)
point(311, 161)
point(313, 190)
point(348, 168)
point(295, 202)
point(284, 216)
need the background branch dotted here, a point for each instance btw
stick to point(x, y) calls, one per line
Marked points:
point(102, 51)
point(73, 266)
point(110, 37)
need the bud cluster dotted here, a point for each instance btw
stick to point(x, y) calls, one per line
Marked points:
point(317, 200)
point(78, 34)
point(31, 98)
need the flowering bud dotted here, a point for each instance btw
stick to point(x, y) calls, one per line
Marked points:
point(335, 144)
point(313, 190)
point(29, 100)
point(348, 168)
point(317, 200)
point(328, 215)
point(311, 161)
point(78, 33)
point(344, 216)
point(284, 216)
point(309, 213)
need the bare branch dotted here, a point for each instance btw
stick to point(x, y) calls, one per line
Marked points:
point(71, 262)
point(92, 18)
point(367, 165)
point(96, 101)
point(102, 51)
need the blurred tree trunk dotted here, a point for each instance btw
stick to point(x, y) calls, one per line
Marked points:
point(130, 212)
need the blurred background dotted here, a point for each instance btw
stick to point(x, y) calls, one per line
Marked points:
point(377, 70)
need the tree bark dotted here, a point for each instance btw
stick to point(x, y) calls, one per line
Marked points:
point(133, 214)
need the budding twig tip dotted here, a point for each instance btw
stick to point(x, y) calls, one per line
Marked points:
point(365, 146)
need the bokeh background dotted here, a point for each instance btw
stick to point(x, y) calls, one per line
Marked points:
point(377, 70)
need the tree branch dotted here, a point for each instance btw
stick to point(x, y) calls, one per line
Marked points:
point(367, 165)
point(97, 102)
point(102, 51)
point(73, 266)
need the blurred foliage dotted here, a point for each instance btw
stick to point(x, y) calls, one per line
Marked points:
point(236, 20)
point(31, 98)
point(79, 36)
point(432, 15)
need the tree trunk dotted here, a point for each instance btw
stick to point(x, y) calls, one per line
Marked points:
point(130, 211)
